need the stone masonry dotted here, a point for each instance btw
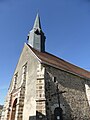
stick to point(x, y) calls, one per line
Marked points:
point(73, 102)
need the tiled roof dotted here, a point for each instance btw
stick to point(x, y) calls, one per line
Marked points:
point(52, 60)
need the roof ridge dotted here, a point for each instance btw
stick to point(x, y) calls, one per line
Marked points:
point(66, 61)
point(53, 60)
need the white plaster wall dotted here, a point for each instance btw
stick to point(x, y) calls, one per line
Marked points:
point(87, 93)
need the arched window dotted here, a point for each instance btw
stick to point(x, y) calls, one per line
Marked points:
point(14, 110)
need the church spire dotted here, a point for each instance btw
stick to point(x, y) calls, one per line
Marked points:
point(37, 23)
point(36, 38)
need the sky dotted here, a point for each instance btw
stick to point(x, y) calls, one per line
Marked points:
point(66, 24)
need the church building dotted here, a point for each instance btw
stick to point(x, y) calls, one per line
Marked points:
point(45, 87)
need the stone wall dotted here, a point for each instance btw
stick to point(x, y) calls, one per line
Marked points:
point(73, 102)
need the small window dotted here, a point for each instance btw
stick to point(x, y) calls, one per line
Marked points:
point(54, 79)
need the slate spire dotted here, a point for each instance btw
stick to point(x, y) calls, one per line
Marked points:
point(37, 23)
point(36, 38)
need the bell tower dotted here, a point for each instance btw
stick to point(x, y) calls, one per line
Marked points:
point(36, 38)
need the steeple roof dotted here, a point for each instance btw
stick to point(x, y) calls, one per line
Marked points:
point(37, 23)
point(36, 37)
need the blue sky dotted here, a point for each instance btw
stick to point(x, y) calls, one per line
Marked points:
point(66, 24)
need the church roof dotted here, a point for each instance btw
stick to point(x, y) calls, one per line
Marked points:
point(59, 63)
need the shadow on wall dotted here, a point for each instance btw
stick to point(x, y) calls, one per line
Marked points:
point(72, 101)
point(39, 116)
point(52, 101)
